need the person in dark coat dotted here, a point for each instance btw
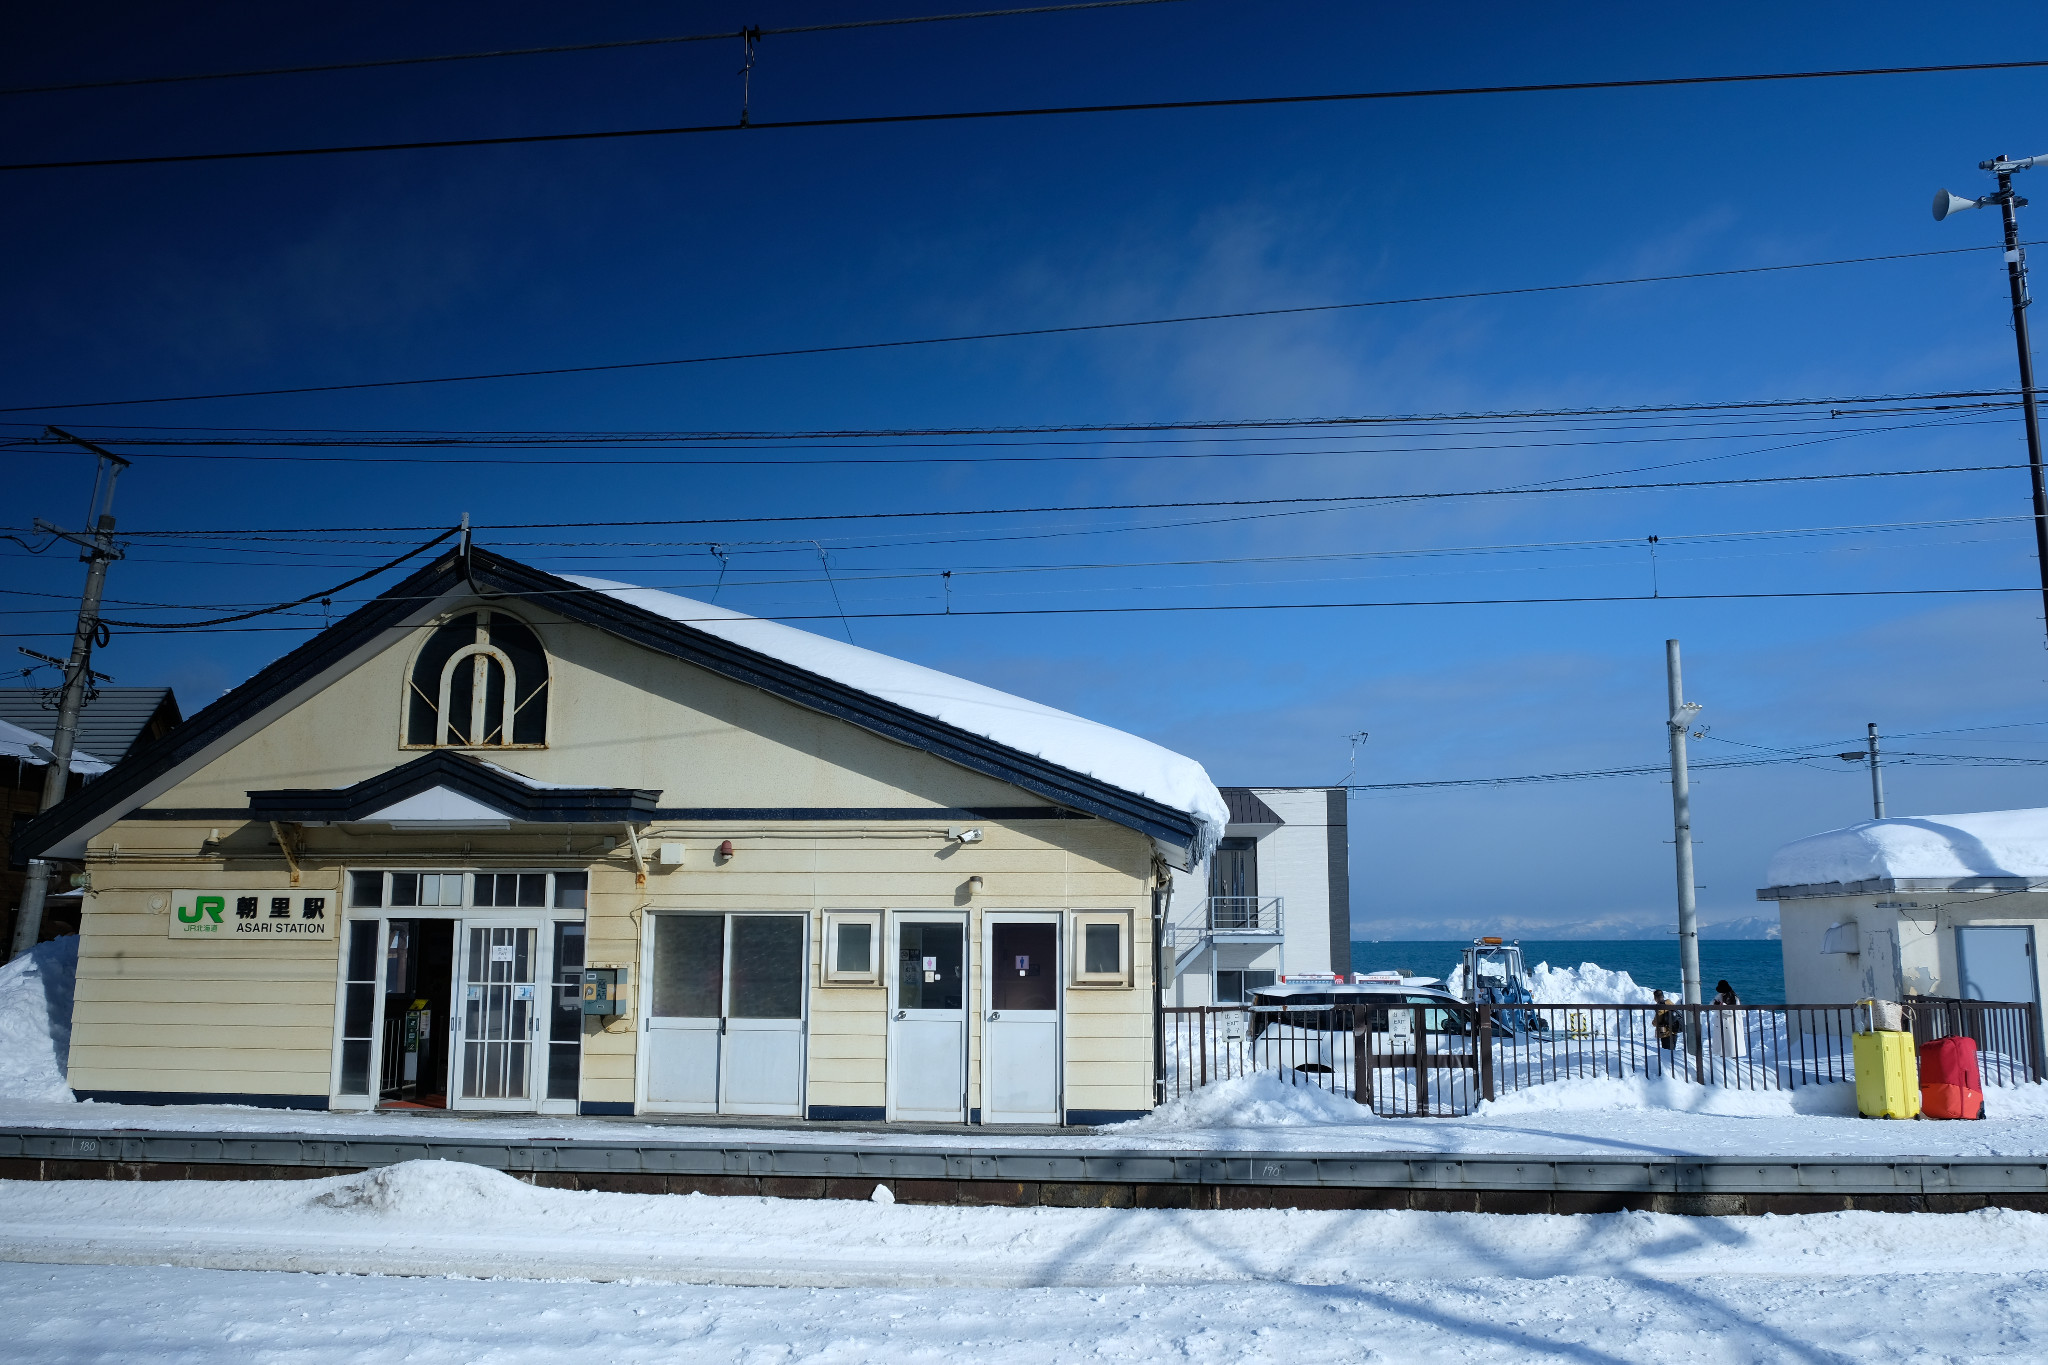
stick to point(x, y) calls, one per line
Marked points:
point(1667, 1022)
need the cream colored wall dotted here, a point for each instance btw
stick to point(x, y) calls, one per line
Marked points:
point(152, 1009)
point(1027, 865)
point(160, 1014)
point(622, 716)
point(1896, 934)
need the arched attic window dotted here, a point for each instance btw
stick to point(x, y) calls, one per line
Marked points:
point(479, 681)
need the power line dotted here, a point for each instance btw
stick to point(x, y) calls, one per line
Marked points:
point(1839, 405)
point(1345, 499)
point(620, 462)
point(1011, 334)
point(727, 35)
point(1206, 608)
point(871, 120)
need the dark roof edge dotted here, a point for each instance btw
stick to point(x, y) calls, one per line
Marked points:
point(1887, 886)
point(394, 607)
point(1247, 809)
point(458, 772)
point(818, 693)
point(270, 685)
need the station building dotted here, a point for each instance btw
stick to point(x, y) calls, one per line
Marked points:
point(1949, 906)
point(501, 840)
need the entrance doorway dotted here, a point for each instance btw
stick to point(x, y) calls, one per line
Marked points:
point(419, 970)
point(928, 1022)
point(725, 1023)
point(499, 1015)
point(1996, 962)
point(1020, 1038)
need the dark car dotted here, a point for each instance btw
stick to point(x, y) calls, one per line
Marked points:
point(1339, 1009)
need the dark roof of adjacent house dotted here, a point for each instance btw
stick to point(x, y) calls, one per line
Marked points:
point(1247, 809)
point(110, 725)
point(484, 573)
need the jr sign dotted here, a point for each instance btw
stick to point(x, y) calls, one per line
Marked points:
point(253, 915)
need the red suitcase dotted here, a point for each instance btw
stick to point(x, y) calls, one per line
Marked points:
point(1950, 1085)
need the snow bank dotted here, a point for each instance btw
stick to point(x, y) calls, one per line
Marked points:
point(35, 1021)
point(1586, 984)
point(1997, 843)
point(1260, 1100)
point(1664, 1092)
point(430, 1191)
point(1080, 745)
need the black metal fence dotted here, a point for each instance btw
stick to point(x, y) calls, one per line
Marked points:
point(1406, 1060)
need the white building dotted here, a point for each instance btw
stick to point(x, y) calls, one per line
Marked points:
point(1274, 899)
point(1937, 905)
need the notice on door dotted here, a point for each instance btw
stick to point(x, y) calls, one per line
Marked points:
point(251, 916)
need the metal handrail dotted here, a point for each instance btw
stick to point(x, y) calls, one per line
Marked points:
point(1243, 914)
point(1486, 1050)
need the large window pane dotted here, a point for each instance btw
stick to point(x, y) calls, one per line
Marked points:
point(767, 967)
point(1021, 970)
point(929, 967)
point(689, 966)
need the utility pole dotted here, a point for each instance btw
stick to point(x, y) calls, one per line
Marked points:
point(1868, 754)
point(98, 544)
point(2010, 204)
point(1682, 712)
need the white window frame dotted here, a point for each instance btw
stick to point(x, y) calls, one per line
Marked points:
point(1083, 978)
point(830, 973)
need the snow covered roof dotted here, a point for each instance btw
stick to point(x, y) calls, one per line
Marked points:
point(1984, 848)
point(16, 742)
point(1073, 742)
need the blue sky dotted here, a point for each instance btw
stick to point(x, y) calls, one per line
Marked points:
point(165, 280)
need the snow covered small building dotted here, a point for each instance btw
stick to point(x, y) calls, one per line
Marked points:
point(1939, 905)
point(1273, 900)
point(501, 840)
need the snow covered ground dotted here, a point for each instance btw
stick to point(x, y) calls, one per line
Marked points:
point(1259, 1112)
point(118, 1272)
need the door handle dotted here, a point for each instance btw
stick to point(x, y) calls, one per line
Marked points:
point(902, 1014)
point(994, 1015)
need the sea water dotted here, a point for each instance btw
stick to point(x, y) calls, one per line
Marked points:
point(1755, 967)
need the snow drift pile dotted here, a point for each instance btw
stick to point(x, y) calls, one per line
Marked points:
point(35, 1021)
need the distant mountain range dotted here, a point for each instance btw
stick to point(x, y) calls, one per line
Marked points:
point(1604, 928)
point(1750, 926)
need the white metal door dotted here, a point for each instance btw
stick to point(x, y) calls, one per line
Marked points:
point(685, 1012)
point(928, 1017)
point(1020, 1036)
point(725, 1022)
point(762, 1067)
point(498, 1015)
point(1996, 962)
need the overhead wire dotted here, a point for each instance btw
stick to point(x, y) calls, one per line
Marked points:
point(551, 49)
point(980, 115)
point(1010, 333)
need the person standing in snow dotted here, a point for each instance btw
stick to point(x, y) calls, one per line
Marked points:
point(1668, 1026)
point(1731, 1039)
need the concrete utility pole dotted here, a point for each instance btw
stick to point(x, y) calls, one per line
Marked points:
point(1682, 712)
point(2010, 204)
point(98, 544)
point(1869, 755)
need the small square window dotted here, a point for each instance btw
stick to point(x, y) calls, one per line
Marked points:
point(366, 888)
point(1102, 948)
point(853, 947)
point(571, 890)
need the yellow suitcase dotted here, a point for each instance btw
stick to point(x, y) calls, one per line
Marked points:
point(1887, 1075)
